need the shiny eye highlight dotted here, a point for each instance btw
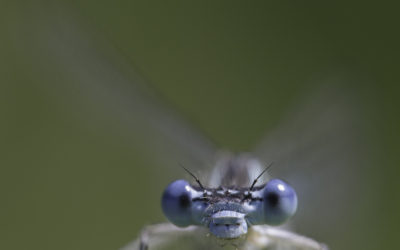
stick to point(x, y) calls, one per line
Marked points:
point(279, 202)
point(176, 203)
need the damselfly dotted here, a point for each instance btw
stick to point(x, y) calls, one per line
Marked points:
point(313, 148)
point(240, 206)
point(234, 214)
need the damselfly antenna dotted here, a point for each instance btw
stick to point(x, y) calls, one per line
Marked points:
point(197, 179)
point(256, 179)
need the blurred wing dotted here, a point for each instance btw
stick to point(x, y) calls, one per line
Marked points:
point(100, 82)
point(318, 149)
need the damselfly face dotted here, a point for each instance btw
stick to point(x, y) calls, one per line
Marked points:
point(228, 211)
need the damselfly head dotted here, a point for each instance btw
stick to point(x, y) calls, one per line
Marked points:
point(229, 211)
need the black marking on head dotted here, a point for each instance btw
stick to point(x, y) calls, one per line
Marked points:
point(227, 195)
point(247, 195)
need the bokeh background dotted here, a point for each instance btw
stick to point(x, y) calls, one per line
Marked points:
point(77, 174)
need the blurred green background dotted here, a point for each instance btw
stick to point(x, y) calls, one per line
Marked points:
point(70, 176)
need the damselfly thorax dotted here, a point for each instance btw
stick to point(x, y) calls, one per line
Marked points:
point(236, 171)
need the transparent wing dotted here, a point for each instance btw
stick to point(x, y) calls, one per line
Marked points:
point(93, 83)
point(319, 149)
point(100, 82)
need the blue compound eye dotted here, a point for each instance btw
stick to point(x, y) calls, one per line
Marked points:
point(279, 202)
point(177, 203)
